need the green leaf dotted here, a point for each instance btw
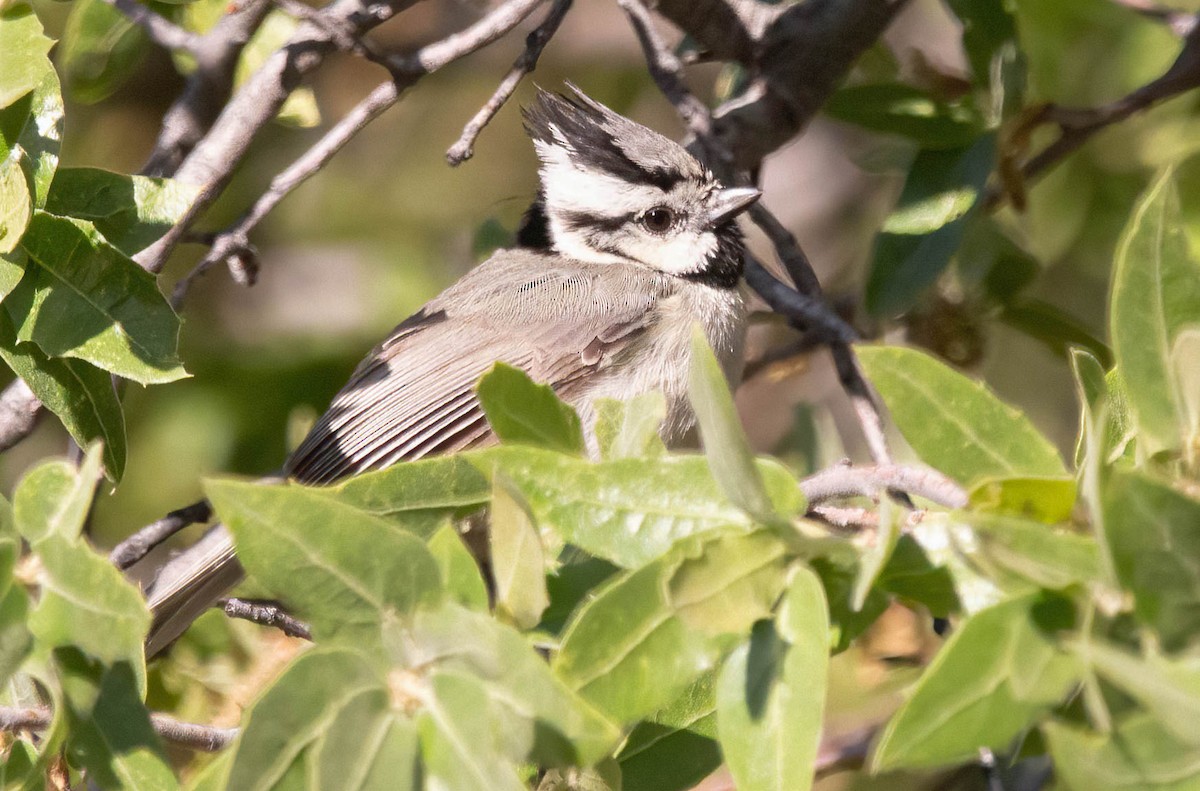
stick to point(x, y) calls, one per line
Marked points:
point(55, 497)
point(771, 693)
point(1048, 558)
point(131, 212)
point(110, 734)
point(630, 511)
point(12, 269)
point(646, 635)
point(1185, 375)
point(1049, 500)
point(91, 302)
point(1168, 689)
point(1053, 327)
point(955, 424)
point(899, 109)
point(875, 556)
point(340, 570)
point(1139, 755)
point(15, 204)
point(14, 603)
point(24, 46)
point(81, 395)
point(725, 445)
point(995, 675)
point(518, 560)
point(328, 719)
point(926, 228)
point(913, 577)
point(674, 748)
point(214, 776)
point(989, 37)
point(629, 429)
point(460, 749)
point(418, 495)
point(950, 545)
point(1155, 294)
point(100, 48)
point(300, 109)
point(1101, 396)
point(526, 413)
point(460, 573)
point(728, 582)
point(1151, 530)
point(540, 719)
point(87, 604)
point(31, 132)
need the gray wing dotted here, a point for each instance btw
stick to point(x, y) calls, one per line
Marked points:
point(414, 395)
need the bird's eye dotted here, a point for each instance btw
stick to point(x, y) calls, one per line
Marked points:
point(658, 220)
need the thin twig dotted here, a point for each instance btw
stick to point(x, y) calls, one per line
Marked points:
point(207, 89)
point(464, 148)
point(845, 481)
point(265, 613)
point(138, 545)
point(667, 72)
point(812, 313)
point(1077, 125)
point(235, 241)
point(794, 259)
point(210, 163)
point(1180, 22)
point(341, 30)
point(159, 29)
point(206, 738)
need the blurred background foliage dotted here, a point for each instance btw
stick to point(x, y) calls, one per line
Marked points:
point(388, 224)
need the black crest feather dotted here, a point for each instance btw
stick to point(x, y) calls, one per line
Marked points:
point(603, 140)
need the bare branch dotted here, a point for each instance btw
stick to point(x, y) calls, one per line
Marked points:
point(535, 42)
point(1181, 22)
point(19, 410)
point(138, 545)
point(845, 481)
point(186, 734)
point(794, 260)
point(809, 313)
point(212, 161)
point(265, 613)
point(798, 53)
point(406, 71)
point(1077, 125)
point(667, 72)
point(208, 87)
point(159, 29)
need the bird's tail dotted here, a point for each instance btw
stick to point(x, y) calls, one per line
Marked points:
point(189, 584)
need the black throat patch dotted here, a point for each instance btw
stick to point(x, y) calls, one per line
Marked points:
point(723, 266)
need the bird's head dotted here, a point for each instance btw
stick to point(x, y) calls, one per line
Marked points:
point(614, 191)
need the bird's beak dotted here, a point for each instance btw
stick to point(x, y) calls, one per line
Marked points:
point(731, 202)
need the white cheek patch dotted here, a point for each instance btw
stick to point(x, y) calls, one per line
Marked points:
point(679, 254)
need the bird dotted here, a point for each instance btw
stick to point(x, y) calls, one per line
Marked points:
point(630, 242)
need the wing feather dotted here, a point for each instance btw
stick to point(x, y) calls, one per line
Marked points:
point(415, 394)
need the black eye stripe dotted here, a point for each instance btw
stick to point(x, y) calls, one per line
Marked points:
point(584, 220)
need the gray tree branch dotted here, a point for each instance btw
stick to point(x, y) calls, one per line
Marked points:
point(186, 734)
point(535, 42)
point(235, 242)
point(159, 29)
point(19, 409)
